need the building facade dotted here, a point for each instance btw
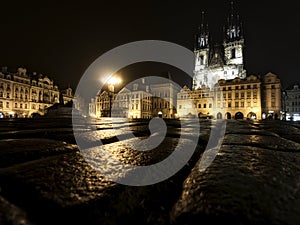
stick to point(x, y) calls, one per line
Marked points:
point(271, 96)
point(221, 87)
point(68, 96)
point(214, 61)
point(137, 100)
point(291, 105)
point(22, 95)
point(236, 98)
point(248, 98)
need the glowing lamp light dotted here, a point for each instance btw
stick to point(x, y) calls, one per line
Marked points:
point(113, 80)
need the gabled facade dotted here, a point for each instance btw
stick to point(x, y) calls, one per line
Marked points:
point(22, 94)
point(137, 100)
point(291, 105)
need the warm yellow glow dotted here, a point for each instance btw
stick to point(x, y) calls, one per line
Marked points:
point(113, 80)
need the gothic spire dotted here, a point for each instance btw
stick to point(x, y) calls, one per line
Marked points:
point(203, 34)
point(233, 29)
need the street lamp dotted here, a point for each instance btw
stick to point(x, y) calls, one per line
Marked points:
point(111, 82)
point(283, 102)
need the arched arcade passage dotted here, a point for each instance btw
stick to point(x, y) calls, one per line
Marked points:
point(228, 116)
point(239, 116)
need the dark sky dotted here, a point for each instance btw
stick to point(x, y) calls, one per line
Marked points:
point(61, 39)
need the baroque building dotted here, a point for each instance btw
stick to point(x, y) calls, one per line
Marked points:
point(22, 95)
point(251, 97)
point(291, 104)
point(138, 99)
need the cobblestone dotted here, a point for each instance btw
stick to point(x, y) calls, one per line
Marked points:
point(44, 178)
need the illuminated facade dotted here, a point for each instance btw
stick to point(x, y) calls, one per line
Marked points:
point(271, 96)
point(137, 100)
point(237, 98)
point(164, 98)
point(219, 61)
point(68, 95)
point(248, 98)
point(102, 105)
point(221, 88)
point(22, 94)
point(292, 103)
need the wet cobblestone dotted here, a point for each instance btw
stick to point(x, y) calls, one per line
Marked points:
point(44, 178)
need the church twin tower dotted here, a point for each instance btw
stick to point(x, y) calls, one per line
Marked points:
point(225, 61)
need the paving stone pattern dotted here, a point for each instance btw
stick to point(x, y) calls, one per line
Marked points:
point(44, 178)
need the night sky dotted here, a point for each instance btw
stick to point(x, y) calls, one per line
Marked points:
point(61, 40)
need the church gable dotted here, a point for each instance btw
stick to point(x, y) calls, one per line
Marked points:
point(216, 57)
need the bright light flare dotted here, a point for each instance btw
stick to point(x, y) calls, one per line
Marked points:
point(113, 80)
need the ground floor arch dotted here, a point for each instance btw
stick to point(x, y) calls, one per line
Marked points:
point(35, 115)
point(251, 115)
point(228, 115)
point(239, 116)
point(160, 114)
point(219, 116)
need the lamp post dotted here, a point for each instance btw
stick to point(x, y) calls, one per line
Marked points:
point(283, 102)
point(111, 82)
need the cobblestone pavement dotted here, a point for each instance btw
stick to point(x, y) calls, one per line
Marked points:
point(44, 179)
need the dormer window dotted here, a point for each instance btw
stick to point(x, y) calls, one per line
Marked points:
point(135, 87)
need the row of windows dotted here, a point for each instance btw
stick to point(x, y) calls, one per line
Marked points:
point(26, 92)
point(46, 98)
point(229, 95)
point(294, 96)
point(16, 105)
point(292, 103)
point(240, 95)
point(204, 105)
point(33, 83)
point(22, 81)
point(242, 87)
point(229, 105)
point(293, 109)
point(139, 96)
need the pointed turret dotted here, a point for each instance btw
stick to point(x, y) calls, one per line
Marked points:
point(202, 35)
point(233, 29)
